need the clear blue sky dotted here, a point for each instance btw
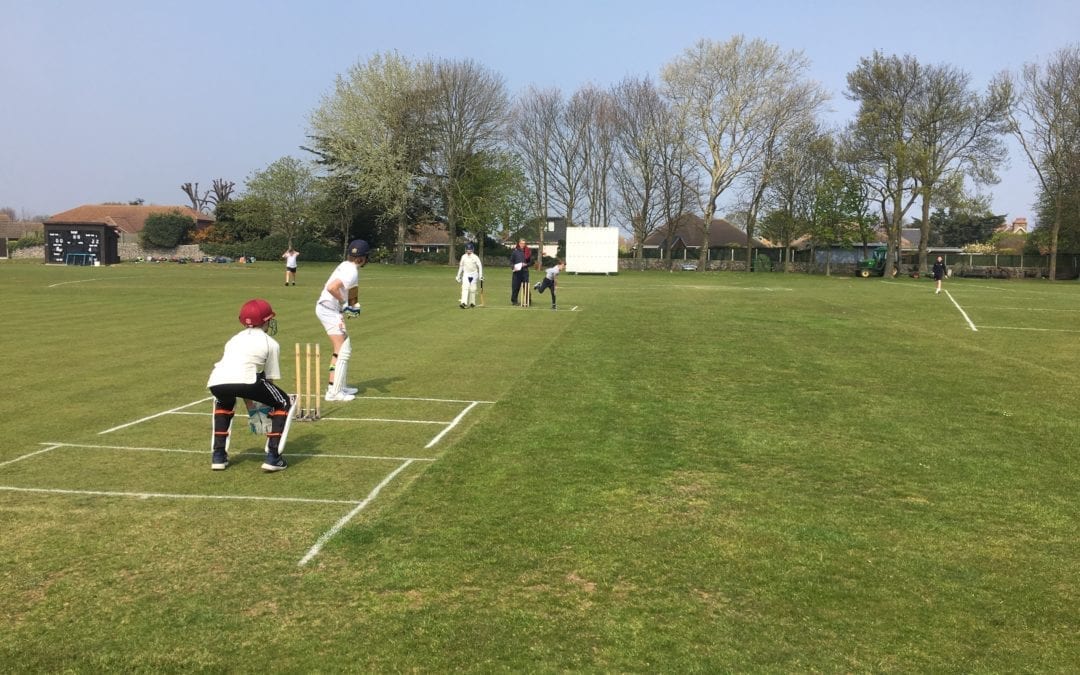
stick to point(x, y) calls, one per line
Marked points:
point(113, 100)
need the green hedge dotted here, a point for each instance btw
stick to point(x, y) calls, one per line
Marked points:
point(271, 248)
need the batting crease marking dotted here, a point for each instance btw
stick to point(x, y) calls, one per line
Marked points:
point(452, 424)
point(962, 312)
point(160, 414)
point(314, 550)
point(164, 495)
point(52, 446)
point(236, 454)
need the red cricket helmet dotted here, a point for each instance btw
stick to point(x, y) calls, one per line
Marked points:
point(256, 312)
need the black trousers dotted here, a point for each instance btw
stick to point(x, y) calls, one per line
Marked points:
point(519, 277)
point(263, 391)
point(548, 283)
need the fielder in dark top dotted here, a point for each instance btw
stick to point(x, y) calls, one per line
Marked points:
point(520, 259)
point(939, 273)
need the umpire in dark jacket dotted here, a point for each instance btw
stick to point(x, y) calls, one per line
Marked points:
point(520, 259)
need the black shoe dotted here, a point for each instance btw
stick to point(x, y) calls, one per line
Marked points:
point(219, 461)
point(274, 463)
point(553, 308)
point(462, 305)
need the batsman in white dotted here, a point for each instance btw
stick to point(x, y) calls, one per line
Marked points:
point(470, 270)
point(337, 302)
point(247, 370)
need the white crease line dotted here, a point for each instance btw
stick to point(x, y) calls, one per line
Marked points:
point(236, 454)
point(346, 419)
point(164, 495)
point(83, 281)
point(52, 446)
point(314, 550)
point(1045, 330)
point(411, 398)
point(160, 414)
point(380, 419)
point(452, 424)
point(966, 318)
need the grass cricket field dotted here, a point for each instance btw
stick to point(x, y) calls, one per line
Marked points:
point(675, 472)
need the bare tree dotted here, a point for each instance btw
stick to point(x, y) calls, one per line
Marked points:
point(1045, 119)
point(790, 119)
point(221, 191)
point(724, 98)
point(199, 201)
point(532, 133)
point(957, 133)
point(568, 153)
point(596, 109)
point(640, 115)
point(469, 107)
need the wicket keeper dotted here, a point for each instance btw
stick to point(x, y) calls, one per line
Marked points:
point(247, 370)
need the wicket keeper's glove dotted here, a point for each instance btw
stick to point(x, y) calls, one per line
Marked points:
point(351, 311)
point(259, 420)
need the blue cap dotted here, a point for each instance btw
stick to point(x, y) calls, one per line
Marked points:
point(469, 247)
point(358, 247)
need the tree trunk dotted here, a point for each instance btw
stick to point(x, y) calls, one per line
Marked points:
point(924, 231)
point(703, 252)
point(399, 255)
point(451, 230)
point(1054, 230)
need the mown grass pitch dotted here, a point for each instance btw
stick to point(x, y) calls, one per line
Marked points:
point(719, 472)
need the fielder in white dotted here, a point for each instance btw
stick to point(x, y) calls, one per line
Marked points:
point(337, 302)
point(470, 270)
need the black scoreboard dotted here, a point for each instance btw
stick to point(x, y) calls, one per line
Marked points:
point(81, 244)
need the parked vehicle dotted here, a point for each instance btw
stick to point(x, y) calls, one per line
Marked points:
point(874, 265)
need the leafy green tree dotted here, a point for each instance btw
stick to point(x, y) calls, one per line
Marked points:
point(491, 194)
point(780, 226)
point(1063, 205)
point(881, 141)
point(839, 209)
point(242, 220)
point(375, 131)
point(1009, 242)
point(166, 230)
point(959, 227)
point(285, 191)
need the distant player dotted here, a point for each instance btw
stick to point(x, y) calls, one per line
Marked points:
point(290, 265)
point(549, 280)
point(470, 270)
point(520, 259)
point(939, 273)
point(247, 370)
point(338, 301)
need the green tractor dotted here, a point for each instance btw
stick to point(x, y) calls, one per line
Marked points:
point(874, 265)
